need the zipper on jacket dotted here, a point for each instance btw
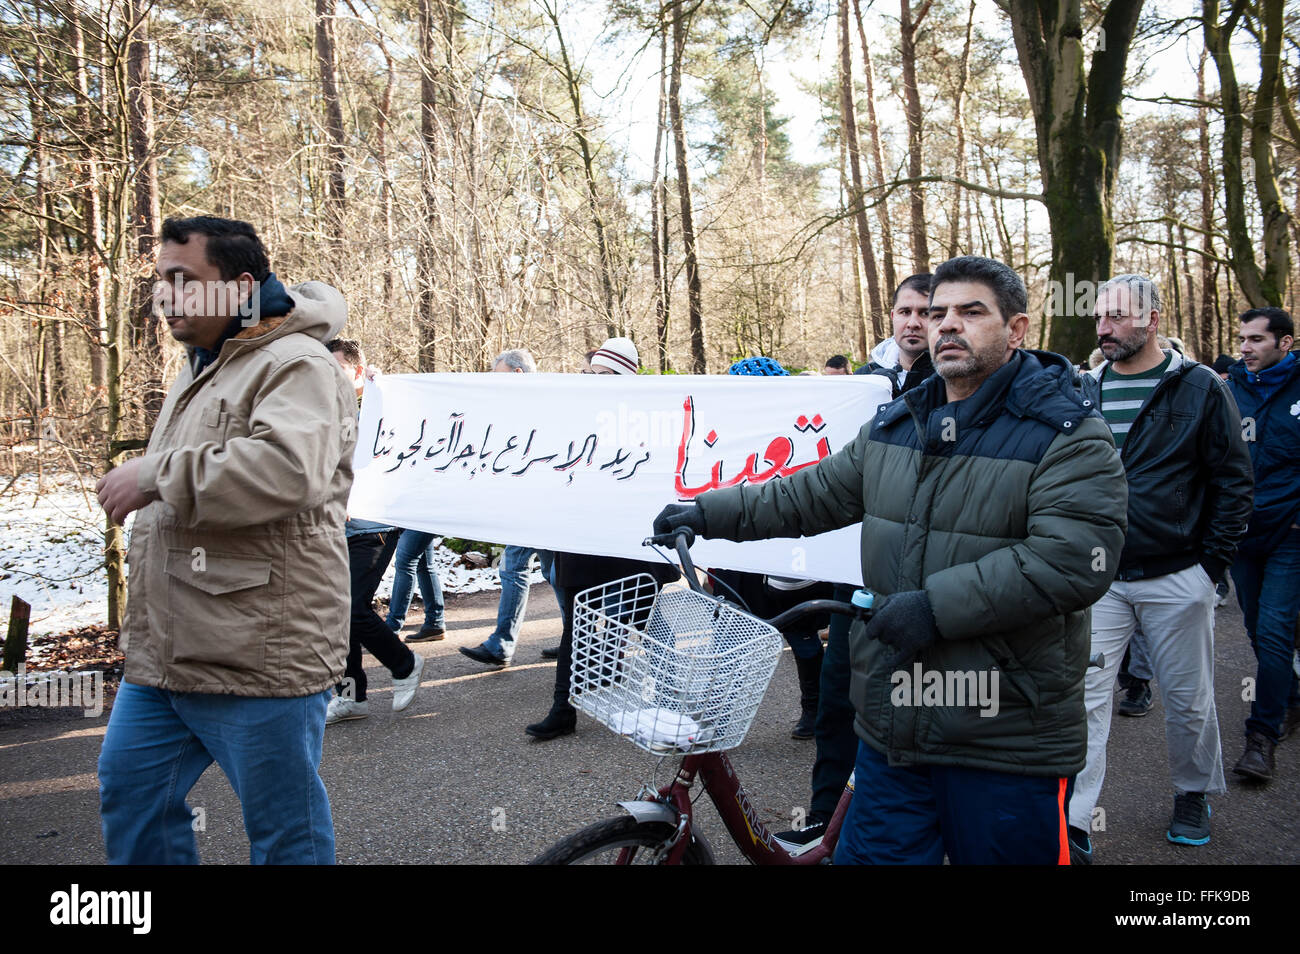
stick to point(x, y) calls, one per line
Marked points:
point(1151, 398)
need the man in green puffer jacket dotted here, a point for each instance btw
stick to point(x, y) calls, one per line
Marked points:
point(993, 510)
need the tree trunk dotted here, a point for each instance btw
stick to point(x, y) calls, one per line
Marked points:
point(95, 318)
point(695, 309)
point(877, 157)
point(1259, 286)
point(658, 203)
point(912, 98)
point(959, 121)
point(574, 88)
point(1077, 121)
point(386, 177)
point(144, 161)
point(325, 57)
point(1206, 339)
point(857, 194)
point(426, 252)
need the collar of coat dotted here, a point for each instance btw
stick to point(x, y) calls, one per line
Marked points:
point(1035, 385)
point(1275, 376)
point(273, 306)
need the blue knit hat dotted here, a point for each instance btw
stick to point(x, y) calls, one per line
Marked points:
point(758, 366)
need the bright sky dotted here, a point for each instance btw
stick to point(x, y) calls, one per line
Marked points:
point(628, 94)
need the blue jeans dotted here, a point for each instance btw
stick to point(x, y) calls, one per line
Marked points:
point(914, 815)
point(1268, 589)
point(414, 561)
point(514, 597)
point(157, 745)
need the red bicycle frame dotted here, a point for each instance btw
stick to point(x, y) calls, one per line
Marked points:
point(754, 839)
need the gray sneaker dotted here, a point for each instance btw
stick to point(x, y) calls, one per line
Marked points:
point(342, 709)
point(1190, 824)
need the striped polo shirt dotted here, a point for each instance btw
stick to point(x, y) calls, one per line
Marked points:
point(1122, 396)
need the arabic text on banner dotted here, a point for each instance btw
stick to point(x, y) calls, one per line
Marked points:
point(582, 463)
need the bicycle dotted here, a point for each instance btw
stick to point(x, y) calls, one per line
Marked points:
point(677, 671)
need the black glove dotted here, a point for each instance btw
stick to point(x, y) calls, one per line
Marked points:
point(905, 622)
point(680, 515)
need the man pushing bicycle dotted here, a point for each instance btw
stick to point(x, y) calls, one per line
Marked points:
point(993, 510)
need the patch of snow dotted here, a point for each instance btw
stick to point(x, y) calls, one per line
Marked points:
point(52, 556)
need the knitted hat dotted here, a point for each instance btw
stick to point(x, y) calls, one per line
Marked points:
point(757, 366)
point(618, 355)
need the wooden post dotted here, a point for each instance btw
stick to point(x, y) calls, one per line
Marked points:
point(20, 613)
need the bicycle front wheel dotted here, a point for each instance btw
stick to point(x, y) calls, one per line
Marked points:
point(619, 841)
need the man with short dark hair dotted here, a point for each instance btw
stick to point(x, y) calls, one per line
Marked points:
point(236, 626)
point(997, 592)
point(1266, 385)
point(905, 359)
point(1189, 497)
point(837, 364)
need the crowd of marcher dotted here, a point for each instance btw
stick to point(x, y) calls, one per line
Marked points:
point(1115, 502)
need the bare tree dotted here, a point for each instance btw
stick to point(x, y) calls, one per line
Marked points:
point(848, 119)
point(908, 26)
point(695, 310)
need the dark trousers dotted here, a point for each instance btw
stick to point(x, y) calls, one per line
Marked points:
point(564, 662)
point(368, 557)
point(837, 743)
point(915, 815)
point(1268, 589)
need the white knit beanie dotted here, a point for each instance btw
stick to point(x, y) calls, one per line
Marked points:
point(618, 355)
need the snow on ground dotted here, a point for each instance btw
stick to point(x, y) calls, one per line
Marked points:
point(51, 555)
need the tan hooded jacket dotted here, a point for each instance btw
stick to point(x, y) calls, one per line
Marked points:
point(239, 566)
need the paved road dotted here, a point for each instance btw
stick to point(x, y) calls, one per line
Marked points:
point(455, 779)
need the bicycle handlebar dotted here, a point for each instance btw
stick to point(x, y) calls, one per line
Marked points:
point(683, 537)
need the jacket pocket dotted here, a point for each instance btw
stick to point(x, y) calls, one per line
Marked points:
point(216, 422)
point(994, 700)
point(218, 607)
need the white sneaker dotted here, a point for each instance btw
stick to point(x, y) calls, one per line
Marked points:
point(341, 709)
point(404, 689)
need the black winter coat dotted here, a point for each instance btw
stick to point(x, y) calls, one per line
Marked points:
point(1189, 474)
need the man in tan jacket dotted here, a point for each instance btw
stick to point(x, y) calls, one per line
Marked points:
point(237, 623)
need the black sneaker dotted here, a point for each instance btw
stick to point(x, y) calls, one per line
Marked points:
point(1137, 700)
point(1080, 846)
point(1190, 824)
point(799, 837)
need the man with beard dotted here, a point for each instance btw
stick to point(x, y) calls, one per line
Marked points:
point(1189, 498)
point(998, 591)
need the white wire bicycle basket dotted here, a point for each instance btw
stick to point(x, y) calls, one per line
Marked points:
point(672, 670)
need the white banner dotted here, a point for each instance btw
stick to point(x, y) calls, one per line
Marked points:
point(583, 463)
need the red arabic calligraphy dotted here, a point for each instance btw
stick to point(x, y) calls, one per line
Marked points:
point(775, 459)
